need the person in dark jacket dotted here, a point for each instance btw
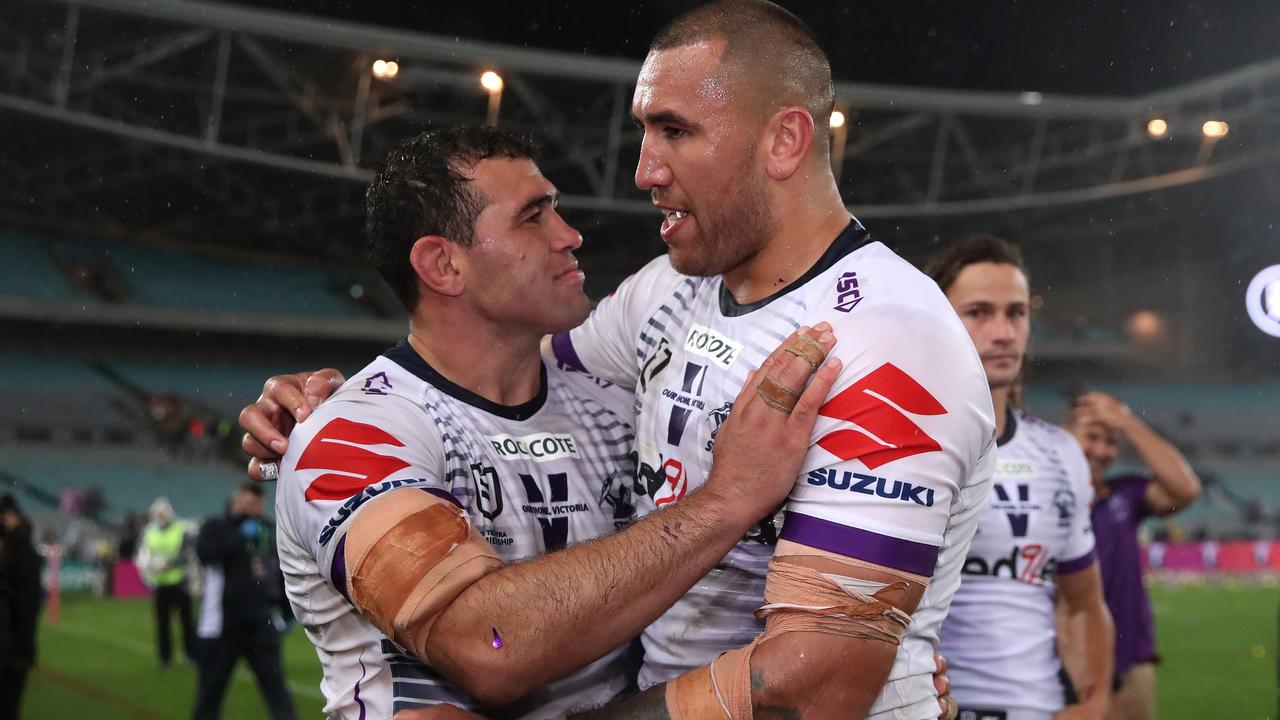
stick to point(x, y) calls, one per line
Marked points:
point(20, 598)
point(242, 606)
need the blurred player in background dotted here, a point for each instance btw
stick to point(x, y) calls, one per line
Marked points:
point(1034, 541)
point(1101, 423)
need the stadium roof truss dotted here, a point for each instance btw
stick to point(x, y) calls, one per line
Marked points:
point(277, 118)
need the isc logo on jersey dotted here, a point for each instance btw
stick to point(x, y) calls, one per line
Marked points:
point(539, 447)
point(706, 342)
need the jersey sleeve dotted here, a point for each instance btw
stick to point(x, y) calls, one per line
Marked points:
point(347, 453)
point(903, 446)
point(610, 344)
point(1078, 552)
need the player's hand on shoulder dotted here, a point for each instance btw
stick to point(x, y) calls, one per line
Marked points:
point(443, 711)
point(285, 401)
point(760, 447)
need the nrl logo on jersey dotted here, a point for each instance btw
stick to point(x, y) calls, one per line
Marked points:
point(706, 342)
point(539, 447)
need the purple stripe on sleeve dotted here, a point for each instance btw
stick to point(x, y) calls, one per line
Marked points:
point(442, 494)
point(338, 570)
point(562, 347)
point(1066, 567)
point(906, 555)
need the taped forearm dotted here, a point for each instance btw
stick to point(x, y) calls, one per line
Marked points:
point(801, 604)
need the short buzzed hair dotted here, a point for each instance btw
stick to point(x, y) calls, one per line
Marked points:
point(765, 44)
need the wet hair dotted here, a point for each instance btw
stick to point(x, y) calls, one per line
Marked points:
point(945, 265)
point(766, 45)
point(424, 189)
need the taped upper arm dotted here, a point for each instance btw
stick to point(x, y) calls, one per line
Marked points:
point(405, 557)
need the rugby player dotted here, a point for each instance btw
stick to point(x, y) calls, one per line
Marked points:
point(734, 100)
point(1034, 540)
point(406, 500)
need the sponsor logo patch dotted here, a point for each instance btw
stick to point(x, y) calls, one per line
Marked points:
point(871, 485)
point(539, 447)
point(341, 448)
point(881, 432)
point(706, 342)
point(848, 295)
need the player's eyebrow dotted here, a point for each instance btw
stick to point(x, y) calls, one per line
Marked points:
point(549, 198)
point(663, 117)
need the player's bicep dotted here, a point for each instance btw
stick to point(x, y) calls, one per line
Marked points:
point(405, 557)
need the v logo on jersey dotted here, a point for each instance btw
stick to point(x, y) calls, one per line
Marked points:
point(884, 434)
point(338, 448)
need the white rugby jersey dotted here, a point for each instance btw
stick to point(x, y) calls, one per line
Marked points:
point(999, 637)
point(532, 478)
point(899, 464)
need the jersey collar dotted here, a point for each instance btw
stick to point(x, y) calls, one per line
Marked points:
point(406, 357)
point(1010, 426)
point(853, 237)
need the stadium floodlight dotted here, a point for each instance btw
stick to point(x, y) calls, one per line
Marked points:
point(491, 81)
point(1214, 129)
point(1157, 128)
point(385, 69)
point(837, 119)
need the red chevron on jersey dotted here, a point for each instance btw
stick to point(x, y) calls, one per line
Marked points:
point(887, 434)
point(338, 449)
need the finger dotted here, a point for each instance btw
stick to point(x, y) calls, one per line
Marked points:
point(260, 429)
point(940, 662)
point(783, 375)
point(805, 413)
point(255, 449)
point(320, 384)
point(255, 470)
point(286, 391)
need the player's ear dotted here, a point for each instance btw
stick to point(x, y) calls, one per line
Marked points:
point(787, 144)
point(435, 261)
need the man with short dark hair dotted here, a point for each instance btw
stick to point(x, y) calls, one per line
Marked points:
point(241, 607)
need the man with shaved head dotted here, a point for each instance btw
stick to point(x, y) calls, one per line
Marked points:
point(734, 99)
point(850, 584)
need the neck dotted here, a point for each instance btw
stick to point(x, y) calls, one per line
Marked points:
point(810, 220)
point(1000, 402)
point(501, 366)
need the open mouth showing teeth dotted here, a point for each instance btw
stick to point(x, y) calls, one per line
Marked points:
point(675, 215)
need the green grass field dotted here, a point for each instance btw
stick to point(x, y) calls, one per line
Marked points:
point(1217, 637)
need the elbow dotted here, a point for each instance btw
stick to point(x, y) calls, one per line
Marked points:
point(490, 681)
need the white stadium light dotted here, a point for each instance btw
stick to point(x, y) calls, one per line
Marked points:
point(1262, 300)
point(1215, 129)
point(1157, 128)
point(837, 119)
point(491, 81)
point(385, 69)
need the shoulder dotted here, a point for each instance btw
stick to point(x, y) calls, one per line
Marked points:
point(1046, 430)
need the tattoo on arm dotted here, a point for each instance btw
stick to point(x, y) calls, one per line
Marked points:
point(768, 711)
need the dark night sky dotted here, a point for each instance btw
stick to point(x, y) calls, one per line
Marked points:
point(1098, 47)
